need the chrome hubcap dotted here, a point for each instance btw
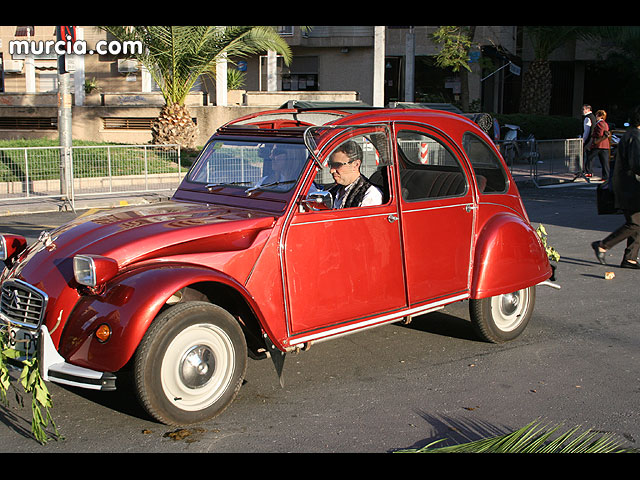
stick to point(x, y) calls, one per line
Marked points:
point(509, 303)
point(509, 309)
point(197, 366)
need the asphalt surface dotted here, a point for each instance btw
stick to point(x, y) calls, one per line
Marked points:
point(399, 387)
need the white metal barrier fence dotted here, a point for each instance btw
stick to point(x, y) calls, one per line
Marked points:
point(39, 172)
point(533, 160)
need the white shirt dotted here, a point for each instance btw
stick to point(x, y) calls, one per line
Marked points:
point(373, 196)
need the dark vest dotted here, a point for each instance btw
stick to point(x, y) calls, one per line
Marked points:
point(355, 195)
point(592, 117)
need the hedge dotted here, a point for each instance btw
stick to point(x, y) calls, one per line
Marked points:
point(543, 127)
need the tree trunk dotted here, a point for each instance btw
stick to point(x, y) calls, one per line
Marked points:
point(174, 125)
point(536, 89)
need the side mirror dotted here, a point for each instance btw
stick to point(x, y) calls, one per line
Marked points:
point(318, 201)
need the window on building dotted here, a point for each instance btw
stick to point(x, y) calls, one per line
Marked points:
point(47, 82)
point(28, 123)
point(302, 74)
point(285, 31)
point(25, 31)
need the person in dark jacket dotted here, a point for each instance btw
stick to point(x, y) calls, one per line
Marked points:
point(626, 188)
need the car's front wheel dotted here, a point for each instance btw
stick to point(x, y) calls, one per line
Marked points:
point(503, 317)
point(190, 363)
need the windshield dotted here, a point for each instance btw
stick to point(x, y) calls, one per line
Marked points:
point(250, 165)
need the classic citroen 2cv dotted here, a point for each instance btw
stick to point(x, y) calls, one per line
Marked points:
point(293, 226)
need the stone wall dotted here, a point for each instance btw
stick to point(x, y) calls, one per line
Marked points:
point(121, 118)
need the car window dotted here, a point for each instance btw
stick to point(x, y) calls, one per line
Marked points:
point(370, 160)
point(487, 167)
point(428, 169)
point(250, 165)
point(371, 151)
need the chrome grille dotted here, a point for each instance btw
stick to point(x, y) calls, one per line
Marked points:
point(22, 304)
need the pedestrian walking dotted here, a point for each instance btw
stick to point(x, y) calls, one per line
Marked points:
point(588, 121)
point(626, 188)
point(599, 144)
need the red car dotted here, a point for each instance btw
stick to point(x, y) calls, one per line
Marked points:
point(292, 227)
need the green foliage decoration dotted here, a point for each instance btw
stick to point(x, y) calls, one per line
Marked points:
point(32, 383)
point(552, 253)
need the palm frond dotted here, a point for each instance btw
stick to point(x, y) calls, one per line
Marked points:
point(534, 438)
point(176, 56)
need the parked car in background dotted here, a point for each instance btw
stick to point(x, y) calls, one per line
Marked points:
point(249, 258)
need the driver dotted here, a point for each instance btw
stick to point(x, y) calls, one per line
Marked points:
point(284, 168)
point(352, 189)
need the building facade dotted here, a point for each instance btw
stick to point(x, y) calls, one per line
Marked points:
point(113, 94)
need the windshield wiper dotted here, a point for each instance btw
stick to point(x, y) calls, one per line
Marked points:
point(272, 184)
point(209, 186)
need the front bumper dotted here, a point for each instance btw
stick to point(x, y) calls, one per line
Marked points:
point(54, 368)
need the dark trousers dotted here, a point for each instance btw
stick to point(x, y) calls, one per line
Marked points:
point(603, 156)
point(629, 231)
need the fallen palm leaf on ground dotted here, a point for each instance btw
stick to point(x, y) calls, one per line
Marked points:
point(534, 438)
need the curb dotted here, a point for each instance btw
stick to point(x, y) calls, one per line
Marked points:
point(47, 205)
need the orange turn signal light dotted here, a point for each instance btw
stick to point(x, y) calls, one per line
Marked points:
point(103, 333)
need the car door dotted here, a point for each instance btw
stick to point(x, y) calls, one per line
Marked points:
point(438, 210)
point(343, 267)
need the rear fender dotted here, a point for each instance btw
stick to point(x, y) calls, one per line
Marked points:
point(509, 256)
point(128, 305)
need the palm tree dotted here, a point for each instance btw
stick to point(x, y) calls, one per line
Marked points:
point(176, 56)
point(536, 81)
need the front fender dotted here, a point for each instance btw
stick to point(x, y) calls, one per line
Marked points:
point(128, 305)
point(509, 256)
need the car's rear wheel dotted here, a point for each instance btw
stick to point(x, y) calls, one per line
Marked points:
point(503, 317)
point(190, 363)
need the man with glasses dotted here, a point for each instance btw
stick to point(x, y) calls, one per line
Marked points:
point(352, 189)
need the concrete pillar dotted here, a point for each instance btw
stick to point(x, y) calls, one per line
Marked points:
point(378, 66)
point(147, 80)
point(221, 81)
point(410, 66)
point(29, 68)
point(578, 89)
point(272, 71)
point(78, 74)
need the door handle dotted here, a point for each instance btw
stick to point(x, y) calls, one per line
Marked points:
point(392, 218)
point(470, 207)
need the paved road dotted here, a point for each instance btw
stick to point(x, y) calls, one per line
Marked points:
point(404, 386)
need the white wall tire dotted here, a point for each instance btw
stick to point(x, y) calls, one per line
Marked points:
point(190, 363)
point(503, 317)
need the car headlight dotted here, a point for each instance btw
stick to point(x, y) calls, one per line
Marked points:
point(11, 245)
point(93, 270)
